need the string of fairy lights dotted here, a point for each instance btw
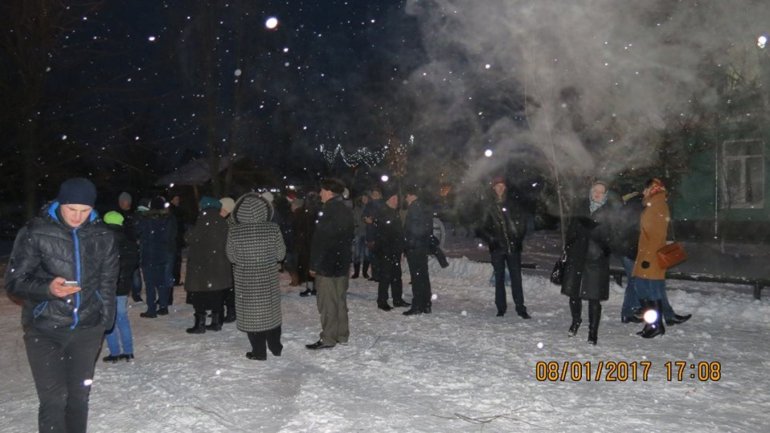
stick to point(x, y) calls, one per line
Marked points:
point(364, 155)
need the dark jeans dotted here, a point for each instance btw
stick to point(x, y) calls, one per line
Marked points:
point(273, 339)
point(62, 364)
point(418, 270)
point(501, 259)
point(156, 284)
point(390, 276)
point(136, 283)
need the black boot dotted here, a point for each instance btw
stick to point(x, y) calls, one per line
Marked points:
point(383, 305)
point(200, 324)
point(677, 319)
point(575, 308)
point(216, 321)
point(594, 316)
point(652, 330)
point(356, 270)
point(366, 269)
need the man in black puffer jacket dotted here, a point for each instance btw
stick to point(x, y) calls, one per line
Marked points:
point(64, 267)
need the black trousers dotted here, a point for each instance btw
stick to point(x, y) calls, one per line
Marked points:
point(501, 259)
point(273, 339)
point(418, 269)
point(389, 276)
point(62, 364)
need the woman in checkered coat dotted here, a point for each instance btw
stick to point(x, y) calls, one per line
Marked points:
point(255, 247)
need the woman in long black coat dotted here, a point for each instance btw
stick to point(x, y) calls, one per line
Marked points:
point(587, 269)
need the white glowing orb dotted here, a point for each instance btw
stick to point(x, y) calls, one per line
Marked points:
point(151, 38)
point(464, 313)
point(171, 185)
point(434, 297)
point(650, 316)
point(487, 66)
point(481, 245)
point(540, 345)
point(64, 136)
point(237, 72)
point(762, 41)
point(488, 153)
point(271, 23)
point(384, 178)
point(88, 382)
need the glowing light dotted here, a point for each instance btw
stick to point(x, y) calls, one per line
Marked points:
point(64, 136)
point(271, 23)
point(88, 382)
point(434, 297)
point(151, 38)
point(650, 316)
point(488, 153)
point(540, 345)
point(384, 178)
point(237, 72)
point(762, 41)
point(487, 66)
point(171, 185)
point(481, 245)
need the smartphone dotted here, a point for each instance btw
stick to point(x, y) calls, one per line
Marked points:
point(71, 284)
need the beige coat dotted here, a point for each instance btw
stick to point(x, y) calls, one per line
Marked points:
point(653, 228)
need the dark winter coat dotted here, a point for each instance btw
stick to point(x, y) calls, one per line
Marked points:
point(129, 259)
point(503, 225)
point(330, 252)
point(371, 210)
point(418, 227)
point(587, 269)
point(255, 247)
point(47, 248)
point(388, 235)
point(303, 226)
point(625, 233)
point(157, 231)
point(208, 268)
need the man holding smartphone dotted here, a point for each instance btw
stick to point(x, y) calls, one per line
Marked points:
point(64, 267)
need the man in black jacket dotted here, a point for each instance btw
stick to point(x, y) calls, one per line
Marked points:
point(387, 247)
point(418, 228)
point(64, 266)
point(503, 227)
point(330, 257)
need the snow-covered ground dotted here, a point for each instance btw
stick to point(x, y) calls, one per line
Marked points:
point(460, 369)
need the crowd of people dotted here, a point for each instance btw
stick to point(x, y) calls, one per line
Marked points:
point(74, 271)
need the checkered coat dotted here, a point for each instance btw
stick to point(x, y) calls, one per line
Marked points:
point(255, 247)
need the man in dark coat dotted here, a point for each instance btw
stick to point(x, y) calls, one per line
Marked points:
point(418, 228)
point(369, 215)
point(157, 231)
point(388, 246)
point(129, 228)
point(587, 268)
point(209, 273)
point(64, 267)
point(330, 257)
point(503, 227)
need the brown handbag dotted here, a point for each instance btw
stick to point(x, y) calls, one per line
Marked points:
point(671, 255)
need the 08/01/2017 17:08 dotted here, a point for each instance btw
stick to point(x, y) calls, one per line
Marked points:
point(624, 371)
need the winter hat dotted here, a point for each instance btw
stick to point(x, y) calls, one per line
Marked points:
point(228, 204)
point(656, 186)
point(412, 189)
point(158, 203)
point(209, 202)
point(498, 179)
point(124, 196)
point(114, 218)
point(144, 205)
point(77, 190)
point(334, 185)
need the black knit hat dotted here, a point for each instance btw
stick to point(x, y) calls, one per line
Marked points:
point(77, 190)
point(333, 184)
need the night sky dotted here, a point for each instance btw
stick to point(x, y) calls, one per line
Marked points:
point(133, 87)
